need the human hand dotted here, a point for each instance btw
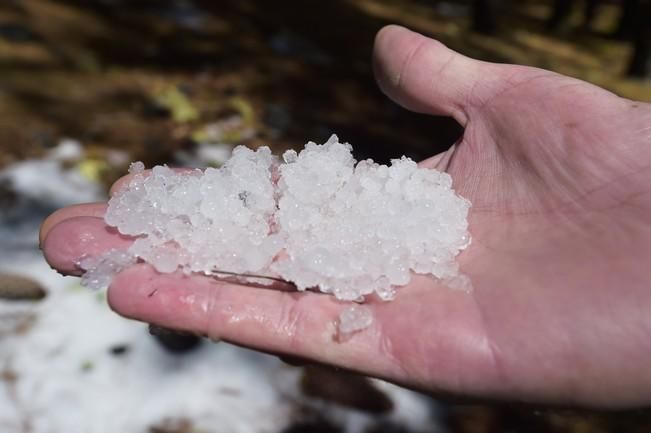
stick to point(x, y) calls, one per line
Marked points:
point(558, 174)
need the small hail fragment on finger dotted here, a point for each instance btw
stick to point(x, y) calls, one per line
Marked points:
point(353, 319)
point(99, 270)
point(315, 218)
point(136, 167)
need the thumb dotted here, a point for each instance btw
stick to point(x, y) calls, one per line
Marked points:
point(423, 75)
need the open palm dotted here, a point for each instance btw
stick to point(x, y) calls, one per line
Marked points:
point(559, 174)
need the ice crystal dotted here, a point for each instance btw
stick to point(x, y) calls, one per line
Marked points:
point(318, 219)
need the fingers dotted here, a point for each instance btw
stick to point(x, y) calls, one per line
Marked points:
point(87, 209)
point(424, 75)
point(299, 324)
point(73, 238)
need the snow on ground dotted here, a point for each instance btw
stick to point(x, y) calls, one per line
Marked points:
point(59, 374)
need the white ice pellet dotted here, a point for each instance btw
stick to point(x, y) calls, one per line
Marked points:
point(352, 230)
point(136, 167)
point(317, 219)
point(199, 221)
point(290, 156)
point(100, 270)
point(354, 318)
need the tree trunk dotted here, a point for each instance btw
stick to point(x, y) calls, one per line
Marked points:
point(628, 19)
point(590, 11)
point(640, 66)
point(560, 12)
point(484, 16)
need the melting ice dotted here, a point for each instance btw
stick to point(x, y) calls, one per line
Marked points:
point(318, 219)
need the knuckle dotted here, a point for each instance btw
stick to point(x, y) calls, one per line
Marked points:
point(292, 322)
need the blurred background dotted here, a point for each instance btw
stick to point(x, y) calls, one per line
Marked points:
point(87, 86)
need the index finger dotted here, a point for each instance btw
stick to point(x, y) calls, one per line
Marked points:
point(80, 210)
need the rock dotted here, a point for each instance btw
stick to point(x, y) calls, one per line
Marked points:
point(173, 425)
point(385, 426)
point(316, 426)
point(173, 341)
point(119, 349)
point(344, 388)
point(18, 288)
point(8, 196)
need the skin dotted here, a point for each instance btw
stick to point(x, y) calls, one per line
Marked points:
point(559, 174)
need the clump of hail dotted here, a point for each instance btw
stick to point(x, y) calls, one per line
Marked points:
point(317, 219)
